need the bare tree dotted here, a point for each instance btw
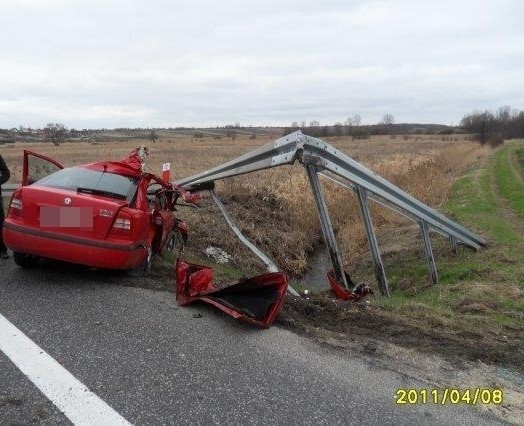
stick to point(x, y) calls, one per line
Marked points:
point(482, 124)
point(505, 114)
point(314, 123)
point(352, 121)
point(55, 132)
point(387, 119)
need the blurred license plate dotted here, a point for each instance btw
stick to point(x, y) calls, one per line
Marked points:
point(66, 217)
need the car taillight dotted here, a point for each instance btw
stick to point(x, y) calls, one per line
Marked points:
point(15, 208)
point(122, 224)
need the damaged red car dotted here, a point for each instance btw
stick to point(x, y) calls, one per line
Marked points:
point(109, 214)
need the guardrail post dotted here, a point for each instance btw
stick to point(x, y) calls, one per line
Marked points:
point(325, 223)
point(454, 244)
point(380, 273)
point(429, 251)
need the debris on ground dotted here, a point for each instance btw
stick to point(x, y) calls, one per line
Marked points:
point(219, 255)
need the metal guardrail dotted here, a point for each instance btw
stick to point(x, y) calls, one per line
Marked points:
point(8, 189)
point(318, 157)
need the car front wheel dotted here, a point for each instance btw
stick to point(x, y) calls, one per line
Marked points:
point(25, 260)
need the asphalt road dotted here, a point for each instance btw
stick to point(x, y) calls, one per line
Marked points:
point(154, 362)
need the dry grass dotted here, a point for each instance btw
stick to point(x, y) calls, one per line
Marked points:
point(275, 207)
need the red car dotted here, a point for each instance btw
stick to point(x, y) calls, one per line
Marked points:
point(108, 214)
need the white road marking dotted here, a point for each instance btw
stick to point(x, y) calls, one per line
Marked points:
point(73, 398)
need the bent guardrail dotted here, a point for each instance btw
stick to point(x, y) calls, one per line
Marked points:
point(319, 157)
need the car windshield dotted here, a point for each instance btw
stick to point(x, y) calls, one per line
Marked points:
point(92, 181)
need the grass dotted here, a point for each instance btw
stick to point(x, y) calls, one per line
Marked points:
point(520, 160)
point(480, 293)
point(474, 202)
point(509, 165)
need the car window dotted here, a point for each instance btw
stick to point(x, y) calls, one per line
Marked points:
point(97, 182)
point(39, 168)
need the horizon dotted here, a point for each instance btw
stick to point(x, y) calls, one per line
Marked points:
point(226, 127)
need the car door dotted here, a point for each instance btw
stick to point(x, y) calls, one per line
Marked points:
point(37, 166)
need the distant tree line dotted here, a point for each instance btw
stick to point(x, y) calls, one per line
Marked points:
point(353, 128)
point(487, 127)
point(492, 128)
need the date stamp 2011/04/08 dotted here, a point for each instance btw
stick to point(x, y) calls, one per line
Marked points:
point(449, 396)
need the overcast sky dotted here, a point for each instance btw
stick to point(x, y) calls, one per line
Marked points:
point(106, 63)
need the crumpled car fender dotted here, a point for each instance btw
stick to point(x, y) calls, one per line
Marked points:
point(256, 300)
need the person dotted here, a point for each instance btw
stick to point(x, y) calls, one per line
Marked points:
point(4, 177)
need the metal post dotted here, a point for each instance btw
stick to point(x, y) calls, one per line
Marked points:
point(325, 223)
point(429, 251)
point(454, 244)
point(380, 273)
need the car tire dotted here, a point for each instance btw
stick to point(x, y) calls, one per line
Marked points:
point(145, 267)
point(25, 260)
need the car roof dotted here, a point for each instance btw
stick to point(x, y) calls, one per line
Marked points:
point(116, 167)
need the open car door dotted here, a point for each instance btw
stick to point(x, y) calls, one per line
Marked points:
point(37, 166)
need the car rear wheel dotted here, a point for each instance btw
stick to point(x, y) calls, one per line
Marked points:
point(145, 267)
point(25, 260)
